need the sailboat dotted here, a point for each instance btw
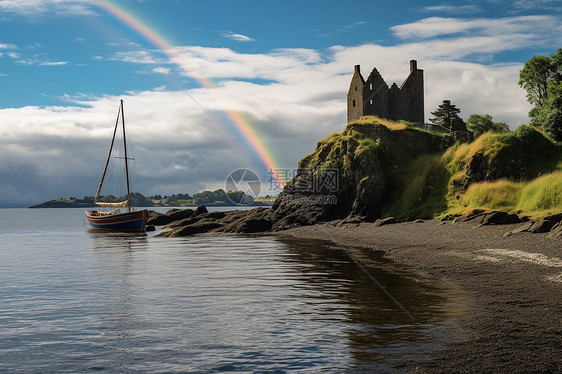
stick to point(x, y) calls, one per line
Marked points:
point(115, 220)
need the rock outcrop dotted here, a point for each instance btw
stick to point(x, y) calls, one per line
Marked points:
point(551, 224)
point(373, 170)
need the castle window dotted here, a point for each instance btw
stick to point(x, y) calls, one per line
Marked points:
point(411, 103)
point(355, 88)
point(354, 103)
point(371, 101)
point(371, 86)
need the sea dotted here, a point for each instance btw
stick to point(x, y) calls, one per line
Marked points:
point(73, 300)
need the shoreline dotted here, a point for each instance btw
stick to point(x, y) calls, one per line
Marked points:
point(511, 320)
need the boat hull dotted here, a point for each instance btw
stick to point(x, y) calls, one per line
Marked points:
point(128, 222)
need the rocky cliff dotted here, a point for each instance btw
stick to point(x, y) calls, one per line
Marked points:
point(377, 168)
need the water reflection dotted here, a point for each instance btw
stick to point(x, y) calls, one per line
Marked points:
point(351, 278)
point(102, 240)
point(207, 303)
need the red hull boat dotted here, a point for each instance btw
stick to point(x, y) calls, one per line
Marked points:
point(115, 220)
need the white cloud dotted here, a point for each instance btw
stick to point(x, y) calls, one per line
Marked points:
point(137, 57)
point(35, 8)
point(237, 37)
point(452, 9)
point(537, 26)
point(55, 63)
point(7, 46)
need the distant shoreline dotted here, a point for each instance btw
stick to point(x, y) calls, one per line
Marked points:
point(78, 204)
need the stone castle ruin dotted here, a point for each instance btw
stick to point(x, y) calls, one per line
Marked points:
point(373, 97)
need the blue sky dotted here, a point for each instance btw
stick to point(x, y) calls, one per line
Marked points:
point(285, 65)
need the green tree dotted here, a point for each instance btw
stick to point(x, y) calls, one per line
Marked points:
point(446, 116)
point(534, 78)
point(541, 77)
point(549, 117)
point(479, 124)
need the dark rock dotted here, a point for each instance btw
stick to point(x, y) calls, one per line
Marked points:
point(196, 218)
point(150, 228)
point(556, 231)
point(477, 217)
point(525, 227)
point(197, 228)
point(214, 215)
point(184, 222)
point(500, 218)
point(157, 219)
point(384, 221)
point(554, 217)
point(177, 214)
point(253, 225)
point(160, 219)
point(200, 210)
point(542, 225)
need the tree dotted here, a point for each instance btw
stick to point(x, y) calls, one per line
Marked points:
point(541, 77)
point(534, 79)
point(549, 117)
point(479, 124)
point(447, 116)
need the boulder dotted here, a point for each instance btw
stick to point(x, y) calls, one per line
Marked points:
point(554, 217)
point(197, 228)
point(177, 214)
point(500, 218)
point(200, 210)
point(476, 215)
point(253, 225)
point(157, 219)
point(542, 225)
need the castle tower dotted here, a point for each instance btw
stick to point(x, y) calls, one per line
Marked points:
point(355, 95)
point(374, 97)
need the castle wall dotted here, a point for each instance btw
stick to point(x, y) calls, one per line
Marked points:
point(376, 96)
point(404, 103)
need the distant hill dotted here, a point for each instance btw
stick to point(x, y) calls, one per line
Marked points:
point(208, 198)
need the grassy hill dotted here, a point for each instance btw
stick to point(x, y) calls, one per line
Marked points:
point(390, 169)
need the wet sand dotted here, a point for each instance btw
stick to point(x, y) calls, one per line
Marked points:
point(511, 319)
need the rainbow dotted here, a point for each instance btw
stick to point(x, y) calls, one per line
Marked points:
point(241, 123)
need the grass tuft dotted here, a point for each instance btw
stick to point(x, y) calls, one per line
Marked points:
point(502, 194)
point(544, 194)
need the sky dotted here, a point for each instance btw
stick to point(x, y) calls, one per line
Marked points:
point(214, 86)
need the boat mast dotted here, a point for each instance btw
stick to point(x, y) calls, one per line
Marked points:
point(126, 164)
point(108, 156)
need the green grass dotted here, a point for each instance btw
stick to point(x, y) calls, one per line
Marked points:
point(502, 194)
point(370, 120)
point(543, 195)
point(538, 197)
point(423, 192)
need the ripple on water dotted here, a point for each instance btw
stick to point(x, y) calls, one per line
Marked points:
point(120, 303)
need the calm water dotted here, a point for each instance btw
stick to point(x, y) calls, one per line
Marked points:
point(76, 301)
